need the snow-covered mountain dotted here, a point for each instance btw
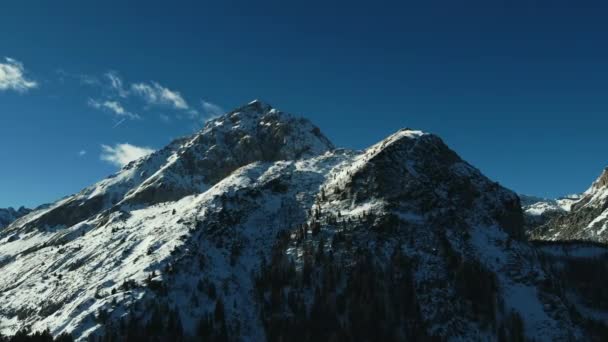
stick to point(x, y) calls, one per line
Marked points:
point(9, 215)
point(586, 220)
point(257, 228)
point(539, 210)
point(533, 205)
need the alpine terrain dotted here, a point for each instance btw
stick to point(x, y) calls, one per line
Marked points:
point(538, 210)
point(257, 228)
point(9, 215)
point(586, 219)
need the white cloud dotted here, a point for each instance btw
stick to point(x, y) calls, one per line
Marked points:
point(114, 107)
point(83, 79)
point(122, 154)
point(116, 94)
point(82, 153)
point(155, 94)
point(12, 77)
point(88, 80)
point(116, 84)
point(165, 118)
point(211, 110)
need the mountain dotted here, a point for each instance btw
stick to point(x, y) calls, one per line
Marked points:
point(587, 219)
point(9, 215)
point(258, 228)
point(538, 210)
point(580, 269)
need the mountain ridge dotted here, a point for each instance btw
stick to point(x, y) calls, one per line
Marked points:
point(587, 219)
point(150, 179)
point(259, 217)
point(10, 214)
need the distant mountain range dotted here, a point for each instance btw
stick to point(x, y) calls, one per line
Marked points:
point(9, 215)
point(539, 210)
point(584, 217)
point(258, 228)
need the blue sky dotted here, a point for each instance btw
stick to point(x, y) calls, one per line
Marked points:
point(518, 89)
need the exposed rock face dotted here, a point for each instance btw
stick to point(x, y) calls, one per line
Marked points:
point(9, 215)
point(412, 196)
point(254, 132)
point(255, 211)
point(415, 171)
point(586, 221)
point(602, 182)
point(538, 210)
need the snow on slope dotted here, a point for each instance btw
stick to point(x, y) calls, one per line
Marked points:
point(538, 206)
point(70, 275)
point(63, 264)
point(254, 132)
point(586, 220)
point(205, 212)
point(412, 180)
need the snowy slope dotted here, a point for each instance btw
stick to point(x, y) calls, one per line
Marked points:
point(66, 269)
point(586, 220)
point(254, 132)
point(60, 262)
point(538, 206)
point(538, 211)
point(439, 207)
point(205, 218)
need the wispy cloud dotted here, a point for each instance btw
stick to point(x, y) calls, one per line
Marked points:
point(88, 80)
point(116, 94)
point(116, 84)
point(82, 153)
point(12, 76)
point(83, 79)
point(165, 118)
point(122, 154)
point(155, 94)
point(211, 110)
point(113, 106)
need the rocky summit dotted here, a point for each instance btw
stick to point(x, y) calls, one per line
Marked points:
point(257, 228)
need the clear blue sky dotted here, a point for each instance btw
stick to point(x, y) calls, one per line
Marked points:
point(519, 90)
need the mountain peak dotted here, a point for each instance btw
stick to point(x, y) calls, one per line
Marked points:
point(602, 181)
point(255, 185)
point(256, 106)
point(406, 133)
point(258, 102)
point(587, 218)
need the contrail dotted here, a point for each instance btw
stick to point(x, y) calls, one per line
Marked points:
point(119, 122)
